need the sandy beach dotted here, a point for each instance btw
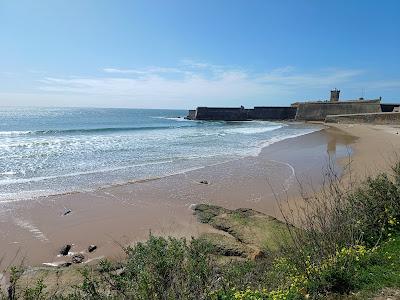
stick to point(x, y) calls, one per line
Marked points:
point(375, 150)
point(110, 217)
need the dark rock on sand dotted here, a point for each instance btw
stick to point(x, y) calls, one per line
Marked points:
point(91, 248)
point(78, 258)
point(65, 249)
point(204, 182)
point(68, 211)
point(64, 265)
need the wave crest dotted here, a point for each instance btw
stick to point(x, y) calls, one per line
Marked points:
point(83, 131)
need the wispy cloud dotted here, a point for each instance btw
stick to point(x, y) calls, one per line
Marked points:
point(121, 71)
point(146, 71)
point(385, 84)
point(194, 83)
point(323, 78)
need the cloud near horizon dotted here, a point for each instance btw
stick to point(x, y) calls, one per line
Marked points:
point(196, 83)
point(191, 84)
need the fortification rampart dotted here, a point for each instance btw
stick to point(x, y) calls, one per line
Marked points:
point(383, 118)
point(362, 110)
point(272, 113)
point(242, 114)
point(389, 107)
point(317, 111)
point(221, 113)
point(192, 114)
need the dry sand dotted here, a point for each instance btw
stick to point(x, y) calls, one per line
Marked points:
point(115, 216)
point(376, 148)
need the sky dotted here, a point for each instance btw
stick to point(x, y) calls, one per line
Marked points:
point(188, 53)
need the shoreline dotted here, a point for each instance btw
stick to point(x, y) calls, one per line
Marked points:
point(119, 215)
point(376, 148)
point(263, 145)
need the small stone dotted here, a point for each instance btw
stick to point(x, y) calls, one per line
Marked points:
point(78, 258)
point(91, 248)
point(64, 265)
point(204, 182)
point(65, 249)
point(68, 211)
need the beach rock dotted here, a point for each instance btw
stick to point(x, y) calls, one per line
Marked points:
point(246, 212)
point(204, 182)
point(68, 211)
point(226, 245)
point(78, 258)
point(64, 265)
point(250, 228)
point(205, 212)
point(65, 249)
point(91, 248)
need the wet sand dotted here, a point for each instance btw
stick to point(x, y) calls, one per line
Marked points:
point(34, 230)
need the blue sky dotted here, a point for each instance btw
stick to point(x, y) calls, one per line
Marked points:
point(180, 54)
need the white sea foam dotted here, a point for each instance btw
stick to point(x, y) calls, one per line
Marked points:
point(117, 146)
point(289, 180)
point(37, 234)
point(253, 130)
point(8, 173)
point(178, 119)
point(8, 181)
point(24, 195)
point(13, 133)
point(277, 139)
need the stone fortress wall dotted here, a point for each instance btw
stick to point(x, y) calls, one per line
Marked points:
point(317, 111)
point(303, 111)
point(243, 114)
point(383, 118)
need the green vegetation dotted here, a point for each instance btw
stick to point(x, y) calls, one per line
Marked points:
point(348, 247)
point(243, 232)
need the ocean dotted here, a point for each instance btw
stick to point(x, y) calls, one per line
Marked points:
point(46, 151)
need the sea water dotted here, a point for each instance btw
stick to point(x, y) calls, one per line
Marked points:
point(45, 151)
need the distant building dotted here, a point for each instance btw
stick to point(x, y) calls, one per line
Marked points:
point(335, 95)
point(316, 110)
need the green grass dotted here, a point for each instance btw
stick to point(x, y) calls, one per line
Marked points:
point(382, 271)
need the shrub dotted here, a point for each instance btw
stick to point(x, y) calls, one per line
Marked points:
point(339, 226)
point(159, 268)
point(376, 209)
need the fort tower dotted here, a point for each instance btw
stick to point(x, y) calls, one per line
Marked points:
point(335, 95)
